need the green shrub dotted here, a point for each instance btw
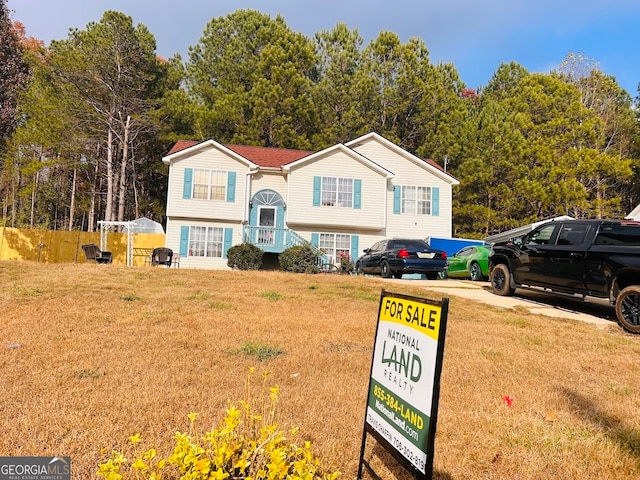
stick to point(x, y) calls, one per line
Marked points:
point(245, 256)
point(299, 259)
point(346, 264)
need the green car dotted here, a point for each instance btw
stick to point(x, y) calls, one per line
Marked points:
point(470, 262)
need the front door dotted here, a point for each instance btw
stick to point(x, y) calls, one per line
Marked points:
point(266, 225)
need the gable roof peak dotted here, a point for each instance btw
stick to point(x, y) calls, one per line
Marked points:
point(269, 157)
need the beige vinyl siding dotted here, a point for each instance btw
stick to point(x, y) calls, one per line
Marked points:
point(300, 209)
point(211, 159)
point(416, 173)
point(268, 181)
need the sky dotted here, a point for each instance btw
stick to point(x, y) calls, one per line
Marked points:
point(475, 36)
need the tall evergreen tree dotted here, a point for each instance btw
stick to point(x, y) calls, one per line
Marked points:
point(336, 93)
point(253, 75)
point(566, 174)
point(443, 110)
point(618, 131)
point(488, 167)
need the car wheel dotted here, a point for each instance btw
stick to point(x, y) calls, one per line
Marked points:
point(385, 269)
point(475, 272)
point(628, 308)
point(358, 269)
point(397, 275)
point(500, 281)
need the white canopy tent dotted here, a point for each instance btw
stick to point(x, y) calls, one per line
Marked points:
point(140, 225)
point(146, 225)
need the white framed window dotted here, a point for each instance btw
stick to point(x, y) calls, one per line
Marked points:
point(206, 241)
point(416, 200)
point(335, 245)
point(209, 184)
point(337, 192)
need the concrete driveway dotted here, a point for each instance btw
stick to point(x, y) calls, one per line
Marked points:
point(595, 311)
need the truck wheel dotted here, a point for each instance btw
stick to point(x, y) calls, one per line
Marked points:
point(500, 281)
point(475, 272)
point(628, 308)
point(385, 269)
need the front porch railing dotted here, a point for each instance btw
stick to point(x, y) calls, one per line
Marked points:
point(277, 240)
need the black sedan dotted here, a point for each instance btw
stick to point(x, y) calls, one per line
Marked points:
point(397, 256)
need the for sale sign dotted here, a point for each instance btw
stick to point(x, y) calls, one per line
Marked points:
point(405, 378)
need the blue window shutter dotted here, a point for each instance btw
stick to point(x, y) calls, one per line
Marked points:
point(316, 191)
point(435, 201)
point(396, 200)
point(315, 239)
point(357, 193)
point(354, 247)
point(253, 215)
point(184, 241)
point(188, 181)
point(279, 217)
point(228, 238)
point(231, 186)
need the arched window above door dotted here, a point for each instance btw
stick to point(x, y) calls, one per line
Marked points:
point(269, 198)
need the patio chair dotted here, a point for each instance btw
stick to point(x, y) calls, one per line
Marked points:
point(93, 254)
point(161, 256)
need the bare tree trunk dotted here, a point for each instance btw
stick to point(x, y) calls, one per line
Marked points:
point(13, 200)
point(123, 171)
point(108, 211)
point(72, 203)
point(33, 198)
point(91, 217)
point(135, 190)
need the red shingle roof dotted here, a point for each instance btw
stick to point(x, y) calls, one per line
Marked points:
point(267, 156)
point(181, 145)
point(262, 156)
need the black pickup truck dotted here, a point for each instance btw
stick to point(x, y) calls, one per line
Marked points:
point(595, 258)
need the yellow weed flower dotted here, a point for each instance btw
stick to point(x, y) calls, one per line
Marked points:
point(274, 391)
point(140, 465)
point(219, 475)
point(135, 439)
point(233, 417)
point(203, 466)
point(192, 416)
point(241, 464)
point(149, 454)
point(110, 470)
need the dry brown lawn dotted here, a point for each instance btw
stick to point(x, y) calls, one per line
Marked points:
point(91, 354)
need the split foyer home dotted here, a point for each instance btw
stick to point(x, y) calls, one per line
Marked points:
point(341, 199)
